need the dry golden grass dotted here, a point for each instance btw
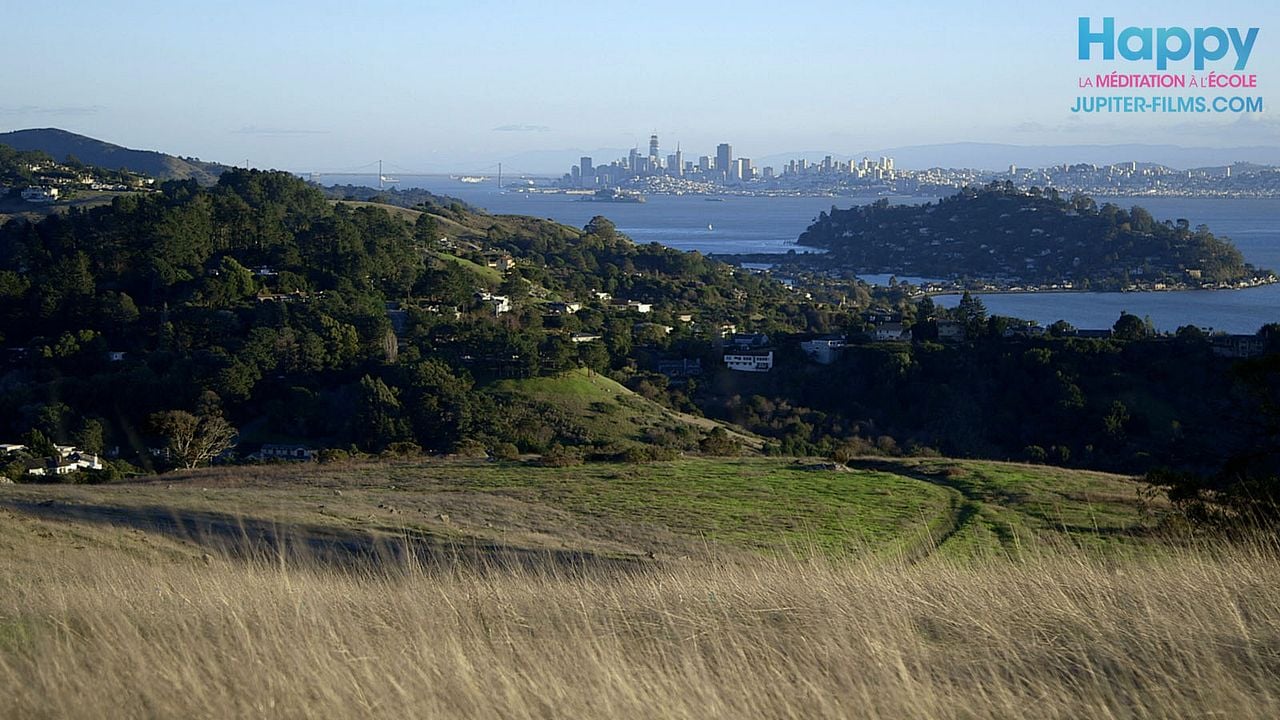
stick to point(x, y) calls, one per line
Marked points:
point(91, 628)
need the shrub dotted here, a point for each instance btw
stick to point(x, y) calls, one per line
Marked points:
point(649, 453)
point(471, 448)
point(560, 456)
point(718, 442)
point(506, 451)
point(403, 449)
point(851, 448)
point(333, 455)
point(94, 477)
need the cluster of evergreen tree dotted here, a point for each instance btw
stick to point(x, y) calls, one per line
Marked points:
point(277, 303)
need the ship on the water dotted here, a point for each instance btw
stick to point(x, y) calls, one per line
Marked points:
point(614, 195)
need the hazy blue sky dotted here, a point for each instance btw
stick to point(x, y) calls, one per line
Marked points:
point(426, 85)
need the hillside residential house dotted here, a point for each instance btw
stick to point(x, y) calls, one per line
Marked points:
point(502, 262)
point(749, 360)
point(69, 460)
point(1237, 346)
point(40, 194)
point(299, 453)
point(682, 368)
point(951, 331)
point(563, 308)
point(498, 303)
point(890, 332)
point(635, 305)
point(824, 350)
point(749, 340)
point(1023, 330)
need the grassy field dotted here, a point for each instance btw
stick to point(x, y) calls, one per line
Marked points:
point(908, 508)
point(697, 588)
point(103, 620)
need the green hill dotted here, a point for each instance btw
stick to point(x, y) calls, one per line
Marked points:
point(610, 414)
point(58, 144)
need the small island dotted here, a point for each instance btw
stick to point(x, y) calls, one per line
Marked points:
point(1008, 238)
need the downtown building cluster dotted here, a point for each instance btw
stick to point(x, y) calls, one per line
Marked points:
point(719, 169)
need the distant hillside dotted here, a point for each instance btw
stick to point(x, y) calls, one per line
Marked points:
point(999, 156)
point(58, 144)
point(1002, 233)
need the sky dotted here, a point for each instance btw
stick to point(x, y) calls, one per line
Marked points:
point(457, 86)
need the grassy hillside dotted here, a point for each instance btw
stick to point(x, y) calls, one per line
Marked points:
point(908, 508)
point(135, 615)
point(608, 411)
point(60, 143)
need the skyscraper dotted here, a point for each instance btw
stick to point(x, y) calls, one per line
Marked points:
point(653, 148)
point(586, 171)
point(724, 160)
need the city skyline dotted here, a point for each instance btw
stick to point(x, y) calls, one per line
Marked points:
point(328, 85)
point(723, 168)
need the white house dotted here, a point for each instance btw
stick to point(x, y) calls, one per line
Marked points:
point(823, 350)
point(498, 303)
point(69, 460)
point(48, 467)
point(563, 308)
point(1238, 346)
point(749, 360)
point(84, 461)
point(891, 331)
point(40, 194)
point(581, 337)
point(636, 305)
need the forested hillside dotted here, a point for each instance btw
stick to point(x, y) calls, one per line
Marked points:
point(1032, 237)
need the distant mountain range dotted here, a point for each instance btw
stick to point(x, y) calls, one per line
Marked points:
point(978, 156)
point(58, 144)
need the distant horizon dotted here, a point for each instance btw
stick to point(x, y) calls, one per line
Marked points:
point(325, 84)
point(1121, 152)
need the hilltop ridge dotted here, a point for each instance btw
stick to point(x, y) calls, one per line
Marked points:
point(58, 144)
